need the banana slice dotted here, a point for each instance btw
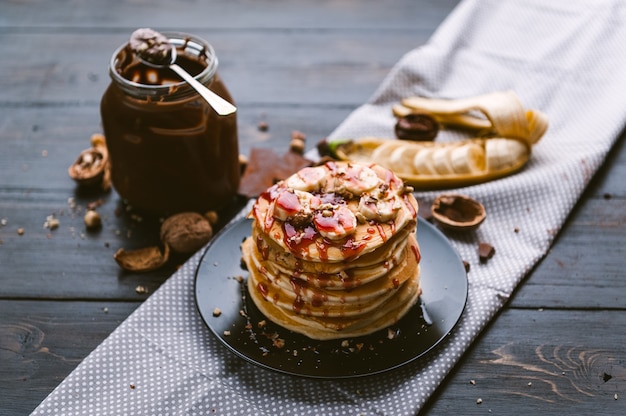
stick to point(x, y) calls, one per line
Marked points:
point(423, 162)
point(401, 159)
point(441, 160)
point(468, 158)
point(504, 153)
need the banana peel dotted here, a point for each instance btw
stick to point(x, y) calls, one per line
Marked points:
point(509, 133)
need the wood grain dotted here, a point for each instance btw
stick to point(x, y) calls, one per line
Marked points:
point(548, 371)
point(42, 342)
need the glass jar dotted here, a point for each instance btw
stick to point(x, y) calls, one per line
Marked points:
point(169, 150)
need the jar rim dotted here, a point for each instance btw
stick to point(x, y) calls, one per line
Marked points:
point(185, 43)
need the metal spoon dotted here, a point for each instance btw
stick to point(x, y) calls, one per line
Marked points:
point(155, 50)
point(220, 105)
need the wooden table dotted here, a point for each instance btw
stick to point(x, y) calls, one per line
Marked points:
point(556, 348)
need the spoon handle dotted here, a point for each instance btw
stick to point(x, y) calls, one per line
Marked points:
point(220, 105)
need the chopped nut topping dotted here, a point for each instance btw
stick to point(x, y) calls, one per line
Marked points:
point(150, 46)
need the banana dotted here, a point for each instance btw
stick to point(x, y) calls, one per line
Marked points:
point(441, 165)
point(500, 114)
point(504, 133)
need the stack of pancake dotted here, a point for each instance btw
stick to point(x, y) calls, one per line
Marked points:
point(333, 252)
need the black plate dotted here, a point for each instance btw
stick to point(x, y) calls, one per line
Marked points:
point(220, 283)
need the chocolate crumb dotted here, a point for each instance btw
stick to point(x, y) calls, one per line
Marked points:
point(485, 252)
point(263, 126)
point(467, 266)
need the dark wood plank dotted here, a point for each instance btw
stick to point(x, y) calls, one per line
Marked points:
point(574, 360)
point(227, 15)
point(343, 68)
point(532, 362)
point(42, 342)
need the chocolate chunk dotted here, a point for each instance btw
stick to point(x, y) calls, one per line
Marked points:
point(265, 168)
point(485, 251)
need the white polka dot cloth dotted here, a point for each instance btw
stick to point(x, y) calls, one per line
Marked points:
point(563, 57)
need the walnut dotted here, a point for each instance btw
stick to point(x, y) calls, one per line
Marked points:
point(186, 232)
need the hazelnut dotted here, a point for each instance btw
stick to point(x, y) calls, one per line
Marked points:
point(92, 220)
point(243, 162)
point(416, 126)
point(297, 146)
point(458, 212)
point(186, 232)
point(212, 217)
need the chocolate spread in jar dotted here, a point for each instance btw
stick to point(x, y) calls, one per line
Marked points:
point(170, 152)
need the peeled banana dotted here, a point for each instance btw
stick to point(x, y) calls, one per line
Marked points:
point(506, 133)
point(432, 165)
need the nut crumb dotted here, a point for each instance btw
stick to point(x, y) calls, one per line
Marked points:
point(472, 382)
point(479, 400)
point(132, 386)
point(278, 343)
point(51, 223)
point(262, 323)
point(217, 312)
point(345, 343)
point(141, 289)
point(20, 231)
point(226, 333)
point(615, 396)
point(105, 310)
point(530, 383)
